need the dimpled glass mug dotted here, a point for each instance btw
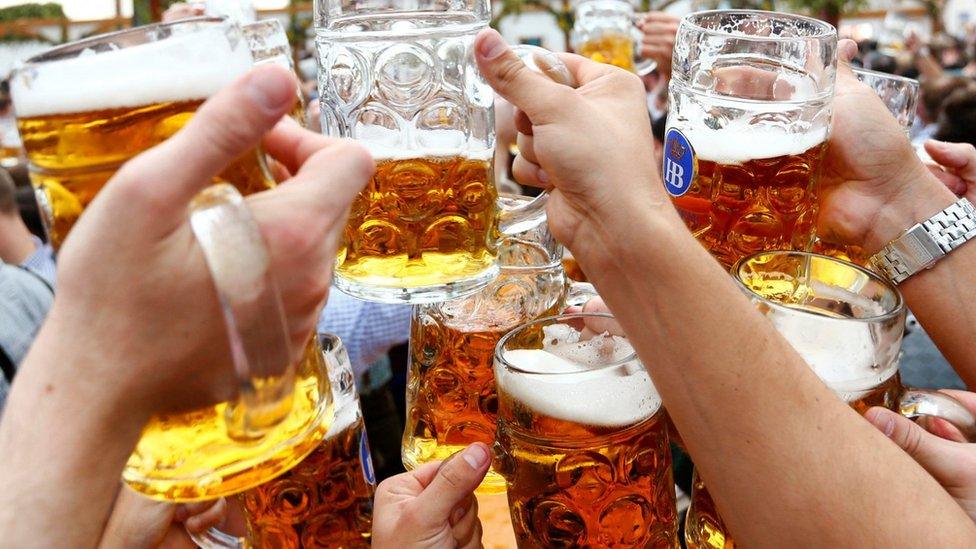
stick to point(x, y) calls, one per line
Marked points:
point(402, 81)
point(451, 398)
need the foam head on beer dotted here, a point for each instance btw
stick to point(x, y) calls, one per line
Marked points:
point(569, 379)
point(185, 66)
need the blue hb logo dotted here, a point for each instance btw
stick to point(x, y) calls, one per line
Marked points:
point(366, 460)
point(680, 165)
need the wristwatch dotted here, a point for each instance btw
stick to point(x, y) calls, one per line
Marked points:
point(921, 246)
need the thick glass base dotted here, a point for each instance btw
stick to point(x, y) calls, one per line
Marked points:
point(417, 295)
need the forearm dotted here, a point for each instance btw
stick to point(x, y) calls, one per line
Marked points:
point(766, 434)
point(942, 298)
point(59, 431)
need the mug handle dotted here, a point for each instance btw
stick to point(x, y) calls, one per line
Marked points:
point(643, 67)
point(920, 403)
point(240, 266)
point(579, 293)
point(523, 218)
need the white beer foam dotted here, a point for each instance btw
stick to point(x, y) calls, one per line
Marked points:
point(740, 143)
point(570, 386)
point(183, 67)
point(841, 353)
point(386, 144)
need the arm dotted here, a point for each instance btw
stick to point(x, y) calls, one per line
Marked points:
point(367, 329)
point(136, 329)
point(768, 435)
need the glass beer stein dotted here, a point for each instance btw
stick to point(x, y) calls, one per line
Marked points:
point(451, 400)
point(401, 79)
point(85, 108)
point(750, 98)
point(281, 412)
point(268, 42)
point(326, 501)
point(582, 438)
point(604, 31)
point(847, 324)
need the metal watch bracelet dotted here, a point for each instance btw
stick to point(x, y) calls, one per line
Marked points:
point(921, 246)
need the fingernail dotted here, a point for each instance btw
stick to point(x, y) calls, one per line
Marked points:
point(543, 176)
point(492, 45)
point(476, 455)
point(271, 92)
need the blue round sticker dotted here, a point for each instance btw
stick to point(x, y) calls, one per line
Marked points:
point(366, 460)
point(680, 165)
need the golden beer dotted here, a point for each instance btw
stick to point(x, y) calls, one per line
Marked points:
point(451, 399)
point(326, 501)
point(73, 155)
point(611, 48)
point(749, 202)
point(422, 222)
point(85, 108)
point(191, 456)
point(582, 442)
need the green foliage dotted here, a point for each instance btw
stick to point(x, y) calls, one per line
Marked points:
point(49, 10)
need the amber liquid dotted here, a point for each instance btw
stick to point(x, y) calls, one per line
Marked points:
point(573, 269)
point(451, 396)
point(192, 456)
point(610, 487)
point(704, 527)
point(326, 501)
point(736, 210)
point(421, 222)
point(612, 49)
point(72, 156)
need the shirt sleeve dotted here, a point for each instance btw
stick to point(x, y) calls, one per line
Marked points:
point(367, 329)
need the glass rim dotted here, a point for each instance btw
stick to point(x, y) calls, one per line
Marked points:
point(691, 20)
point(608, 3)
point(52, 55)
point(886, 76)
point(548, 320)
point(896, 310)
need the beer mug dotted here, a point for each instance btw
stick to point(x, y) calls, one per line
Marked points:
point(898, 93)
point(747, 129)
point(282, 410)
point(401, 79)
point(847, 324)
point(85, 108)
point(451, 400)
point(604, 31)
point(900, 96)
point(268, 42)
point(582, 438)
point(327, 499)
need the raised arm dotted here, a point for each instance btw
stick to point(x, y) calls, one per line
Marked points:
point(135, 327)
point(788, 462)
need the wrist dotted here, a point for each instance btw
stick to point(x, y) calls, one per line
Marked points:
point(921, 197)
point(63, 357)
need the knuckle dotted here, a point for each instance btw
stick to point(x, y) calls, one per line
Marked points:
point(451, 475)
point(912, 440)
point(509, 71)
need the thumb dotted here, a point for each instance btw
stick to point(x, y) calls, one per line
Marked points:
point(959, 157)
point(455, 481)
point(528, 90)
point(846, 51)
point(932, 453)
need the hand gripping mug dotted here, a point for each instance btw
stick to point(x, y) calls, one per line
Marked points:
point(847, 324)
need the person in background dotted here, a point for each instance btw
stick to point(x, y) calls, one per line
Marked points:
point(18, 246)
point(934, 92)
point(24, 303)
point(957, 121)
